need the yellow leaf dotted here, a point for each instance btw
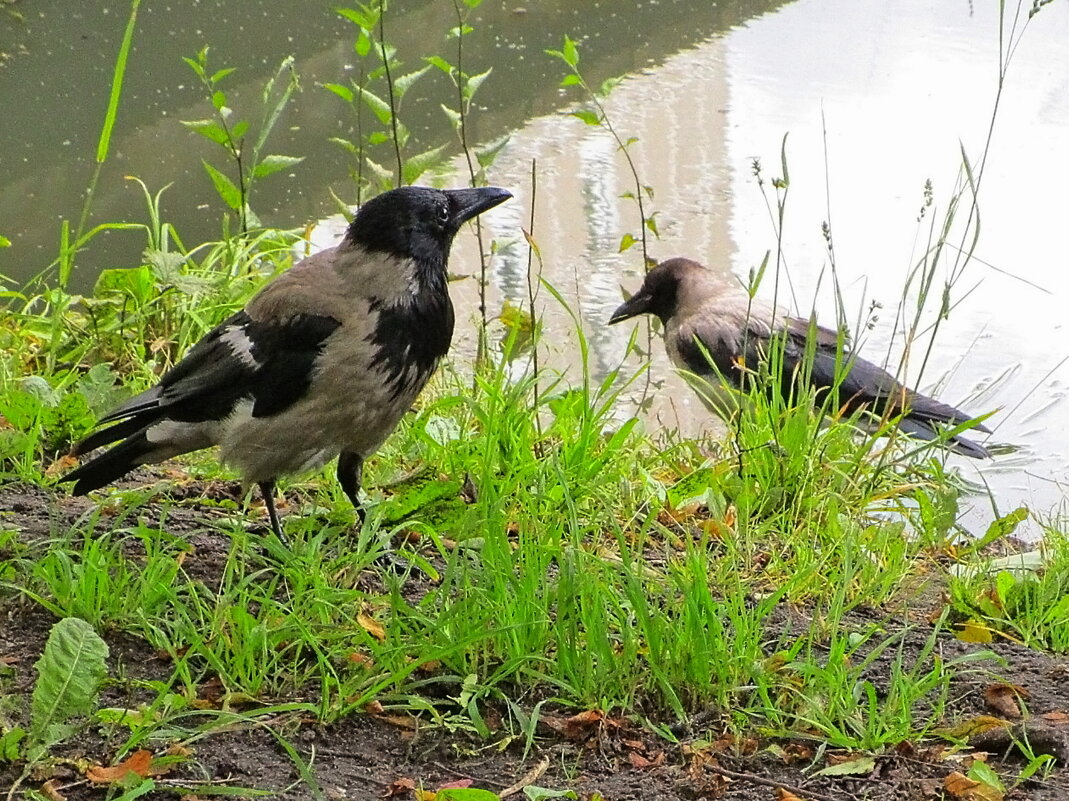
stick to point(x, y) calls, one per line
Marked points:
point(973, 631)
point(371, 626)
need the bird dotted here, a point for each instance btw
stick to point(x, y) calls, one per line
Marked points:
point(715, 331)
point(321, 363)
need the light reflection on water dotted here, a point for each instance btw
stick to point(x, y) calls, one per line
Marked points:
point(893, 91)
point(897, 85)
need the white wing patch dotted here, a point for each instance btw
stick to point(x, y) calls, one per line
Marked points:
point(240, 345)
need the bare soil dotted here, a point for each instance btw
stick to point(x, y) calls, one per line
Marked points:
point(373, 755)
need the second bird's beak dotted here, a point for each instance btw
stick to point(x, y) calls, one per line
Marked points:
point(639, 303)
point(467, 203)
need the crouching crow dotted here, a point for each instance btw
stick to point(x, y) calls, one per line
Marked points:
point(323, 362)
point(714, 330)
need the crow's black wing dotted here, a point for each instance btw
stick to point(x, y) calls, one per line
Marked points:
point(269, 362)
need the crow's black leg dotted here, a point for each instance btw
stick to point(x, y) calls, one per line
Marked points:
point(350, 474)
point(267, 489)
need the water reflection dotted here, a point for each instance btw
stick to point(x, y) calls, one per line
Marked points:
point(877, 97)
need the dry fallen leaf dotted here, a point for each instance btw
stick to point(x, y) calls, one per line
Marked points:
point(400, 786)
point(961, 787)
point(51, 792)
point(60, 466)
point(137, 764)
point(371, 626)
point(972, 727)
point(1056, 718)
point(1003, 698)
point(787, 795)
point(639, 762)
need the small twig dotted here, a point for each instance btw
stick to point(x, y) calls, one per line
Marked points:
point(530, 777)
point(459, 775)
point(754, 779)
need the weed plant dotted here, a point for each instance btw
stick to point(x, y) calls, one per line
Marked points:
point(543, 552)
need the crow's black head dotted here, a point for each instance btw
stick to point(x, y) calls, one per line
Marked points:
point(659, 293)
point(417, 222)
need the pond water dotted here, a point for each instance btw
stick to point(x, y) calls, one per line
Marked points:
point(874, 96)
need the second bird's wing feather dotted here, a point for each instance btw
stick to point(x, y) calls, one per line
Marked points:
point(737, 347)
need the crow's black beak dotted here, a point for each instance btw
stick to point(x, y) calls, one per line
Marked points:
point(467, 203)
point(638, 304)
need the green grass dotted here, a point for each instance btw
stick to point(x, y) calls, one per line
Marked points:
point(525, 550)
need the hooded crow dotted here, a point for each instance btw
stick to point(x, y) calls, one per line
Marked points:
point(322, 362)
point(717, 332)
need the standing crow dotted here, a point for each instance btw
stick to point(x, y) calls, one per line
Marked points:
point(716, 331)
point(322, 362)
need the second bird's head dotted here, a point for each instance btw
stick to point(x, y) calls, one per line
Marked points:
point(418, 222)
point(659, 293)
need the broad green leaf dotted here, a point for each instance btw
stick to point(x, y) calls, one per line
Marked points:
point(69, 675)
point(570, 52)
point(362, 45)
point(230, 194)
point(465, 794)
point(220, 74)
point(626, 241)
point(4, 242)
point(194, 65)
point(218, 99)
point(9, 744)
point(238, 129)
point(488, 153)
point(272, 164)
point(364, 20)
point(38, 387)
point(587, 116)
point(440, 63)
point(344, 92)
point(404, 82)
point(452, 114)
point(571, 80)
point(415, 166)
point(472, 84)
point(378, 106)
point(209, 129)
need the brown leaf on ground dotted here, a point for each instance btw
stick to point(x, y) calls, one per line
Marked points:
point(357, 658)
point(371, 626)
point(138, 763)
point(961, 787)
point(1004, 699)
point(51, 792)
point(787, 795)
point(972, 727)
point(577, 727)
point(406, 537)
point(60, 466)
point(402, 786)
point(1056, 718)
point(639, 762)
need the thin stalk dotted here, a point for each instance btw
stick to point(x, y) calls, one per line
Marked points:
point(531, 293)
point(389, 89)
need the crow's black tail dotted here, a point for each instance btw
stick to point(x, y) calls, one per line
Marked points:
point(111, 465)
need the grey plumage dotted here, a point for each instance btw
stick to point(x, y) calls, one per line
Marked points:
point(321, 363)
point(715, 331)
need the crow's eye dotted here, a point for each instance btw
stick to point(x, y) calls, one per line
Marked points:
point(443, 214)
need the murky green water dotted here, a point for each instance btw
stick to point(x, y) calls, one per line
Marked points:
point(876, 97)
